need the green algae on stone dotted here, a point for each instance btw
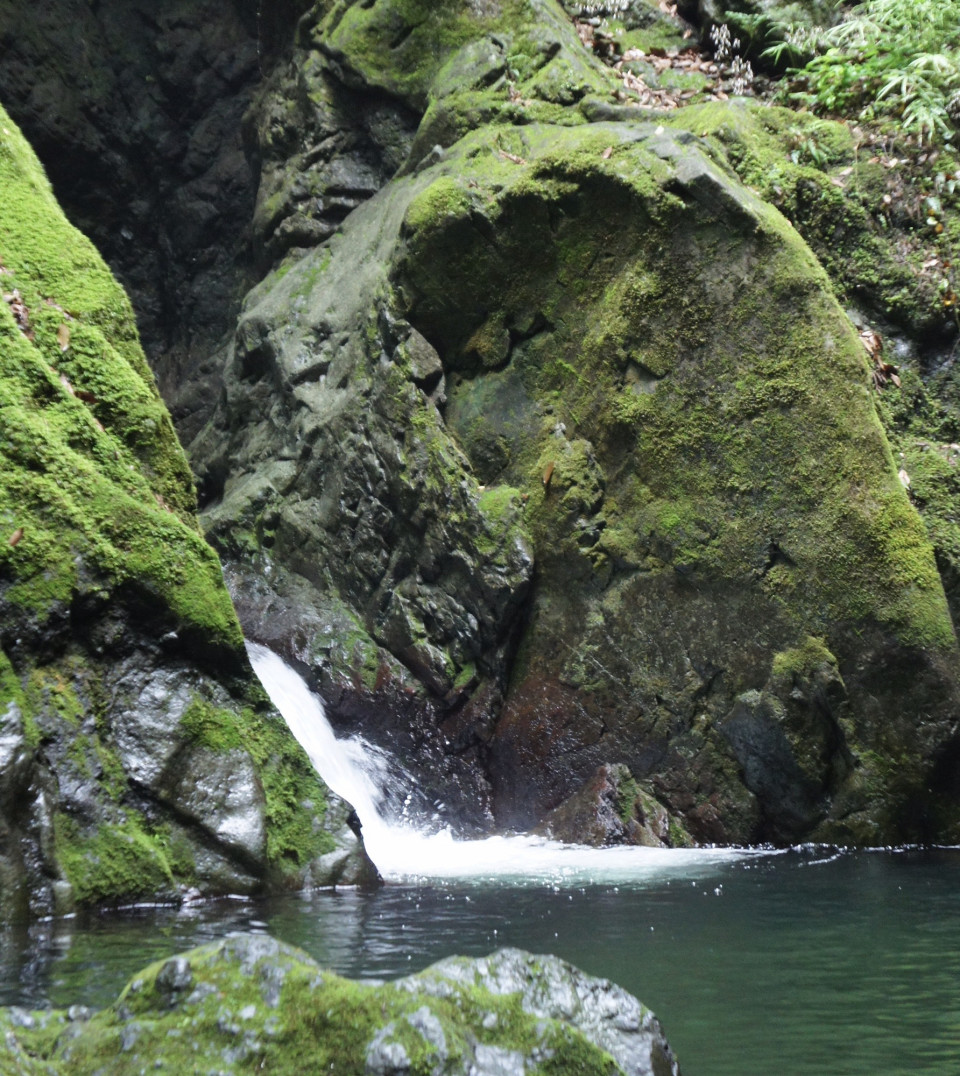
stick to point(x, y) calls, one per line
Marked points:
point(653, 358)
point(116, 861)
point(424, 52)
point(730, 409)
point(860, 214)
point(252, 1004)
point(93, 478)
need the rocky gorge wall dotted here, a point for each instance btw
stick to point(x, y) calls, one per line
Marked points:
point(543, 443)
point(567, 433)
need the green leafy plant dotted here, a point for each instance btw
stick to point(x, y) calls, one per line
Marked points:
point(898, 58)
point(942, 190)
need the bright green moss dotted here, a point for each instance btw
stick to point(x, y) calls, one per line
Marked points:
point(444, 198)
point(92, 479)
point(688, 381)
point(465, 677)
point(48, 689)
point(112, 774)
point(400, 45)
point(13, 695)
point(502, 509)
point(802, 660)
point(856, 214)
point(296, 798)
point(114, 861)
point(499, 502)
point(208, 726)
point(318, 1015)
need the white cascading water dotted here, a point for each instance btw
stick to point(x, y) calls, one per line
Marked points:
point(403, 852)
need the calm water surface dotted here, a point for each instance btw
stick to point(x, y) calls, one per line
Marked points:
point(794, 964)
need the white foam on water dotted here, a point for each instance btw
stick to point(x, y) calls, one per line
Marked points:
point(404, 852)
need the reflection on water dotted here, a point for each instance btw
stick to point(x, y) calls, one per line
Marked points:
point(802, 964)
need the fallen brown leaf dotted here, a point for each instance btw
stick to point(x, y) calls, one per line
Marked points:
point(16, 536)
point(873, 342)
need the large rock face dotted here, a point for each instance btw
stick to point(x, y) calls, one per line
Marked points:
point(138, 757)
point(554, 452)
point(566, 433)
point(250, 1004)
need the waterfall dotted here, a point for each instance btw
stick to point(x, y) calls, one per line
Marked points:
point(357, 772)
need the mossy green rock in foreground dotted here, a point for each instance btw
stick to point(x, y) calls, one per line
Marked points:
point(252, 1004)
point(563, 453)
point(137, 759)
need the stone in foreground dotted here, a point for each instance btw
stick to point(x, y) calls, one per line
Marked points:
point(251, 1004)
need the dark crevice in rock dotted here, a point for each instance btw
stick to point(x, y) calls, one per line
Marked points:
point(776, 556)
point(139, 130)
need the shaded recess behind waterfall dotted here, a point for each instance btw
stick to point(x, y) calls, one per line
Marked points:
point(518, 462)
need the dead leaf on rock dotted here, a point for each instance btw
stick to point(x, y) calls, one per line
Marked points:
point(873, 342)
point(548, 474)
point(20, 313)
point(904, 478)
point(63, 336)
point(511, 157)
point(16, 536)
point(607, 153)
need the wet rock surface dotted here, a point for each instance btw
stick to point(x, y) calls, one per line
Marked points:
point(611, 808)
point(251, 1002)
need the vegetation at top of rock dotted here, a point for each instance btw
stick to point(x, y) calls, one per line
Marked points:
point(893, 58)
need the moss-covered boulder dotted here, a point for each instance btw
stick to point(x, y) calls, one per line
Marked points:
point(561, 453)
point(138, 757)
point(252, 1004)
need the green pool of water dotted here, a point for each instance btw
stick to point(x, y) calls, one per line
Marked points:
point(794, 964)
